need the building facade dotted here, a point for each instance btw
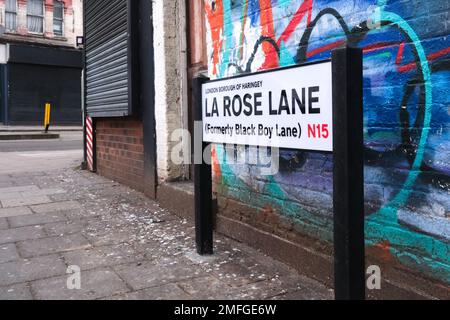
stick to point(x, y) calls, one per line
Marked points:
point(289, 215)
point(41, 61)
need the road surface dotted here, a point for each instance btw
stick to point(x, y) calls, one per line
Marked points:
point(39, 155)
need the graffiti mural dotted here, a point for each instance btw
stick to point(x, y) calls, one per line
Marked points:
point(406, 113)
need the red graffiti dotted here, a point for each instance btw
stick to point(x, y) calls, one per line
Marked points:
point(268, 31)
point(305, 8)
point(413, 65)
point(215, 19)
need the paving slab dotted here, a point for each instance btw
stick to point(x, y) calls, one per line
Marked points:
point(56, 206)
point(103, 256)
point(102, 238)
point(25, 201)
point(68, 227)
point(17, 189)
point(242, 272)
point(10, 196)
point(95, 284)
point(14, 212)
point(6, 183)
point(28, 249)
point(16, 292)
point(42, 192)
point(217, 290)
point(8, 252)
point(25, 270)
point(151, 274)
point(165, 292)
point(3, 224)
point(36, 219)
point(288, 287)
point(21, 234)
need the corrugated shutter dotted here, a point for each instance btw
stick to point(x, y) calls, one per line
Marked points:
point(109, 57)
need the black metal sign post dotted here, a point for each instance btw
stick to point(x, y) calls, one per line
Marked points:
point(202, 181)
point(348, 172)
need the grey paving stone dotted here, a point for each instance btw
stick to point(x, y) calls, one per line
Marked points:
point(16, 292)
point(102, 256)
point(21, 234)
point(217, 290)
point(24, 270)
point(14, 212)
point(28, 249)
point(68, 227)
point(304, 295)
point(65, 197)
point(6, 184)
point(151, 274)
point(3, 223)
point(8, 252)
point(102, 238)
point(56, 206)
point(285, 286)
point(35, 219)
point(95, 284)
point(43, 192)
point(10, 196)
point(241, 272)
point(167, 292)
point(28, 201)
point(17, 189)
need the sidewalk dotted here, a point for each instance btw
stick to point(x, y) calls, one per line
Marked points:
point(39, 128)
point(126, 246)
point(14, 133)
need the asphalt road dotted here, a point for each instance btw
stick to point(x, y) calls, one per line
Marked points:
point(41, 155)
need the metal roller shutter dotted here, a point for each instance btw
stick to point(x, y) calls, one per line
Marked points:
point(109, 61)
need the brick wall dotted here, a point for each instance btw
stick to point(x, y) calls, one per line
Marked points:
point(407, 132)
point(120, 151)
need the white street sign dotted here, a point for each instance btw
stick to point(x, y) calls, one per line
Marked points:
point(287, 108)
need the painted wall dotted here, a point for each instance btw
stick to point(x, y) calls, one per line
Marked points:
point(406, 112)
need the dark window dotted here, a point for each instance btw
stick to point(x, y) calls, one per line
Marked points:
point(11, 15)
point(35, 16)
point(58, 18)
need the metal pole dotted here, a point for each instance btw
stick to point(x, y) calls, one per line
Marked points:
point(203, 183)
point(349, 249)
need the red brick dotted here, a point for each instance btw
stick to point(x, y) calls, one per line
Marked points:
point(120, 151)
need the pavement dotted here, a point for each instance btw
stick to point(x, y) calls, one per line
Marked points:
point(39, 128)
point(14, 133)
point(33, 155)
point(56, 219)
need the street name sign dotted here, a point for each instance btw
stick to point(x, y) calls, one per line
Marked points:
point(286, 108)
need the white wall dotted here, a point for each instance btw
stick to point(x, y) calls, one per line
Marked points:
point(170, 76)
